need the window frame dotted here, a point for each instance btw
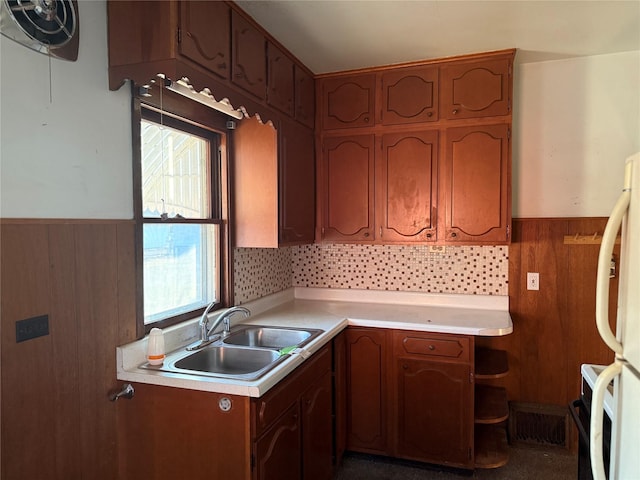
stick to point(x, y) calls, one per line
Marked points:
point(167, 108)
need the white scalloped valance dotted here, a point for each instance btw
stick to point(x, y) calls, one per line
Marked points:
point(183, 87)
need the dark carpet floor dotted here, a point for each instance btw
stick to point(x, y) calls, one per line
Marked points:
point(534, 463)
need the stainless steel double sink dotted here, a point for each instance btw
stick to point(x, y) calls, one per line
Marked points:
point(247, 353)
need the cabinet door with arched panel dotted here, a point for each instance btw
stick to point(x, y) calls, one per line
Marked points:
point(409, 95)
point(348, 101)
point(476, 89)
point(476, 173)
point(347, 177)
point(406, 185)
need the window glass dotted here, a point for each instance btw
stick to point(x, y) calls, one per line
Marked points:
point(175, 173)
point(181, 228)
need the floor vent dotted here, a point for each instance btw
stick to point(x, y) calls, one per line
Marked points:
point(538, 424)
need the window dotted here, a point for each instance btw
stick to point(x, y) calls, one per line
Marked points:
point(179, 201)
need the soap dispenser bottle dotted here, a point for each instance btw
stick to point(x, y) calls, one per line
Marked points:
point(155, 348)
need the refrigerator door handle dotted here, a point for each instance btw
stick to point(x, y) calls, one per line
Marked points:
point(597, 417)
point(604, 262)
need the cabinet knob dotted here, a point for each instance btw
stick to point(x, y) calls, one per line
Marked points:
point(405, 366)
point(366, 234)
point(366, 119)
point(454, 234)
point(432, 347)
point(430, 114)
point(455, 111)
point(429, 235)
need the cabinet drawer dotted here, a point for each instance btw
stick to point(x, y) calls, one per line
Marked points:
point(441, 347)
point(267, 409)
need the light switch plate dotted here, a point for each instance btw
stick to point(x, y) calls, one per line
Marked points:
point(533, 281)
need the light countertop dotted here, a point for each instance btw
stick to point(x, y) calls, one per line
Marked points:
point(331, 310)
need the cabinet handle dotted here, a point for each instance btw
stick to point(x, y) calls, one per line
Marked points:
point(366, 234)
point(455, 112)
point(380, 231)
point(405, 366)
point(366, 119)
point(430, 114)
point(454, 234)
point(432, 347)
point(428, 235)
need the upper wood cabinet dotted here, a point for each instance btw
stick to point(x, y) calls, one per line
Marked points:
point(347, 176)
point(442, 152)
point(409, 95)
point(347, 102)
point(274, 180)
point(406, 186)
point(476, 178)
point(305, 97)
point(476, 89)
point(249, 67)
point(297, 184)
point(380, 188)
point(204, 35)
point(280, 80)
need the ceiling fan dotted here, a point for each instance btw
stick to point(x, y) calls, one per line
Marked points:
point(46, 26)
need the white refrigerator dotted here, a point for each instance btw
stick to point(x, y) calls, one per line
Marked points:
point(625, 341)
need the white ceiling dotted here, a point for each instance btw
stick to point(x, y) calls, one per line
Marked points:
point(336, 35)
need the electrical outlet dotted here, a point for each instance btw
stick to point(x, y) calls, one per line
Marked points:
point(533, 281)
point(32, 328)
point(436, 248)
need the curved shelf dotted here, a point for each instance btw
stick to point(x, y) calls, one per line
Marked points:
point(491, 404)
point(492, 449)
point(491, 364)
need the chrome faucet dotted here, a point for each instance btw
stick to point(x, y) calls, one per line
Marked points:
point(206, 331)
point(226, 318)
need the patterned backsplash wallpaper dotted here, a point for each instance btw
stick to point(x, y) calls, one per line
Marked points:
point(477, 270)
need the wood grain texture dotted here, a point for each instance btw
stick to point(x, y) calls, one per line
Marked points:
point(554, 328)
point(55, 405)
point(163, 433)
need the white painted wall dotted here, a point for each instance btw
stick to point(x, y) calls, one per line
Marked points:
point(68, 157)
point(575, 123)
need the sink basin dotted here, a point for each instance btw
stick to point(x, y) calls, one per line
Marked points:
point(271, 337)
point(249, 352)
point(229, 361)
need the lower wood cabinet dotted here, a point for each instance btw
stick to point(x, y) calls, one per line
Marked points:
point(166, 433)
point(367, 384)
point(433, 410)
point(278, 451)
point(169, 433)
point(292, 427)
point(410, 395)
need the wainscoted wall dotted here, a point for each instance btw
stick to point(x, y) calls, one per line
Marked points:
point(57, 420)
point(466, 270)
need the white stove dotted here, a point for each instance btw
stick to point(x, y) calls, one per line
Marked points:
point(590, 373)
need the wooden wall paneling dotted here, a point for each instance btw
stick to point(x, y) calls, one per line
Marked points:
point(554, 328)
point(97, 302)
point(542, 313)
point(28, 414)
point(64, 336)
point(57, 422)
point(126, 283)
point(585, 343)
